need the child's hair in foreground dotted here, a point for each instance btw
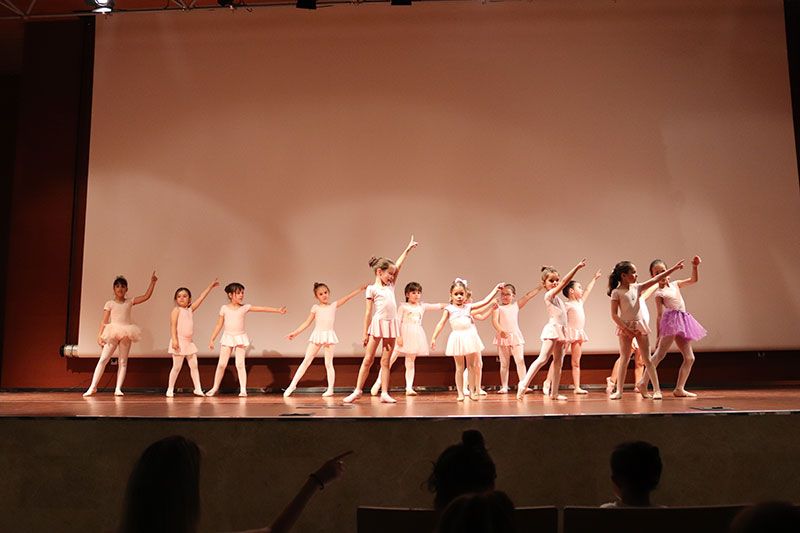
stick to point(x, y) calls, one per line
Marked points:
point(411, 287)
point(614, 279)
point(120, 281)
point(233, 288)
point(318, 284)
point(380, 263)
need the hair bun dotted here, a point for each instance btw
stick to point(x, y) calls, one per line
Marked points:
point(473, 438)
point(373, 261)
point(547, 267)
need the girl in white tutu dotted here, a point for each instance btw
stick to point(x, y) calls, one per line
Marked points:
point(464, 345)
point(553, 335)
point(234, 338)
point(116, 330)
point(412, 340)
point(181, 345)
point(674, 324)
point(509, 340)
point(323, 337)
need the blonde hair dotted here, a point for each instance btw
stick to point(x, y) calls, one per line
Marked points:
point(547, 270)
point(381, 263)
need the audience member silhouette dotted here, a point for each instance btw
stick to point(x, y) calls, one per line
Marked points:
point(462, 469)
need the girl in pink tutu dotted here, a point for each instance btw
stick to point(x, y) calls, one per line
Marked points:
point(323, 335)
point(626, 312)
point(554, 333)
point(181, 346)
point(412, 340)
point(116, 330)
point(234, 338)
point(380, 327)
point(464, 344)
point(674, 324)
point(509, 340)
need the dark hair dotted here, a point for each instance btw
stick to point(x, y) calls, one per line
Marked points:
point(655, 262)
point(382, 263)
point(623, 267)
point(318, 284)
point(512, 287)
point(547, 270)
point(458, 282)
point(163, 493)
point(461, 469)
point(183, 289)
point(486, 512)
point(767, 517)
point(120, 281)
point(567, 287)
point(636, 466)
point(234, 287)
point(411, 287)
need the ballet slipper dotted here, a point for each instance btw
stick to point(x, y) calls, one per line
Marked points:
point(683, 393)
point(482, 392)
point(411, 392)
point(170, 394)
point(328, 393)
point(609, 385)
point(385, 398)
point(90, 392)
point(657, 395)
point(198, 392)
point(118, 393)
point(559, 397)
point(617, 395)
point(355, 395)
point(503, 390)
point(474, 396)
point(521, 393)
point(375, 389)
point(288, 392)
point(579, 390)
point(546, 388)
point(212, 392)
point(460, 398)
point(243, 394)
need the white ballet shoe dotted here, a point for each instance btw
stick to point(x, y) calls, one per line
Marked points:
point(559, 397)
point(683, 393)
point(503, 390)
point(376, 389)
point(288, 392)
point(212, 392)
point(170, 394)
point(657, 395)
point(546, 388)
point(328, 393)
point(90, 392)
point(411, 392)
point(355, 395)
point(579, 390)
point(460, 398)
point(118, 393)
point(482, 392)
point(615, 396)
point(243, 394)
point(521, 393)
point(610, 385)
point(474, 396)
point(385, 398)
point(199, 392)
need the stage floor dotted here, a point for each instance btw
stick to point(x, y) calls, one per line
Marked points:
point(426, 405)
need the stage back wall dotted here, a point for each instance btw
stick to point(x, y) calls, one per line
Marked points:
point(281, 147)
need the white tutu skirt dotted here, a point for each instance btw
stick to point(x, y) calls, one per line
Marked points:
point(383, 329)
point(552, 331)
point(464, 338)
point(575, 335)
point(514, 339)
point(323, 337)
point(186, 346)
point(118, 332)
point(414, 340)
point(235, 340)
point(640, 326)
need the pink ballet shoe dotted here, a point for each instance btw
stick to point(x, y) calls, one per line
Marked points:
point(546, 388)
point(615, 396)
point(355, 395)
point(579, 390)
point(90, 392)
point(609, 385)
point(682, 393)
point(385, 398)
point(375, 389)
point(170, 394)
point(657, 395)
point(328, 393)
point(411, 392)
point(212, 392)
point(503, 390)
point(560, 398)
point(199, 392)
point(288, 392)
point(460, 398)
point(474, 396)
point(521, 393)
point(243, 394)
point(482, 392)
point(118, 393)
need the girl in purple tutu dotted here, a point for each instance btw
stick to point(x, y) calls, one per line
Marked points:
point(675, 324)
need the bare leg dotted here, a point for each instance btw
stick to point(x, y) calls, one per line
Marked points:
point(122, 364)
point(311, 352)
point(376, 387)
point(544, 355)
point(685, 346)
point(558, 360)
point(638, 365)
point(224, 355)
point(386, 370)
point(194, 371)
point(472, 372)
point(504, 353)
point(239, 354)
point(664, 344)
point(621, 366)
point(330, 372)
point(410, 370)
point(644, 347)
point(363, 372)
point(177, 363)
point(459, 361)
point(575, 357)
point(105, 357)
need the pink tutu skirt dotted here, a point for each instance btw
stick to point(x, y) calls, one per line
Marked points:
point(383, 329)
point(639, 326)
point(231, 340)
point(186, 346)
point(118, 332)
point(576, 335)
point(514, 339)
point(552, 331)
point(323, 337)
point(414, 340)
point(680, 324)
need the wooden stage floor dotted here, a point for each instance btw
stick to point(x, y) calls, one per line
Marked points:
point(426, 405)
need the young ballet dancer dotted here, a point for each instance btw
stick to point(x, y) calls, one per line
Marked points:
point(481, 315)
point(626, 312)
point(638, 359)
point(380, 327)
point(116, 330)
point(181, 326)
point(412, 340)
point(576, 295)
point(509, 340)
point(463, 344)
point(674, 324)
point(234, 338)
point(323, 335)
point(553, 335)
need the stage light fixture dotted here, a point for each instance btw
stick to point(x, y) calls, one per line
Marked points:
point(101, 6)
point(306, 4)
point(401, 2)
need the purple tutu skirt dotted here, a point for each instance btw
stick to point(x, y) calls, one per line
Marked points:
point(680, 324)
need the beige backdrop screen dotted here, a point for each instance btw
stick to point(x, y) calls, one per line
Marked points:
point(281, 147)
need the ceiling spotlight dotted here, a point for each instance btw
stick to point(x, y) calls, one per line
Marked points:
point(306, 4)
point(101, 6)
